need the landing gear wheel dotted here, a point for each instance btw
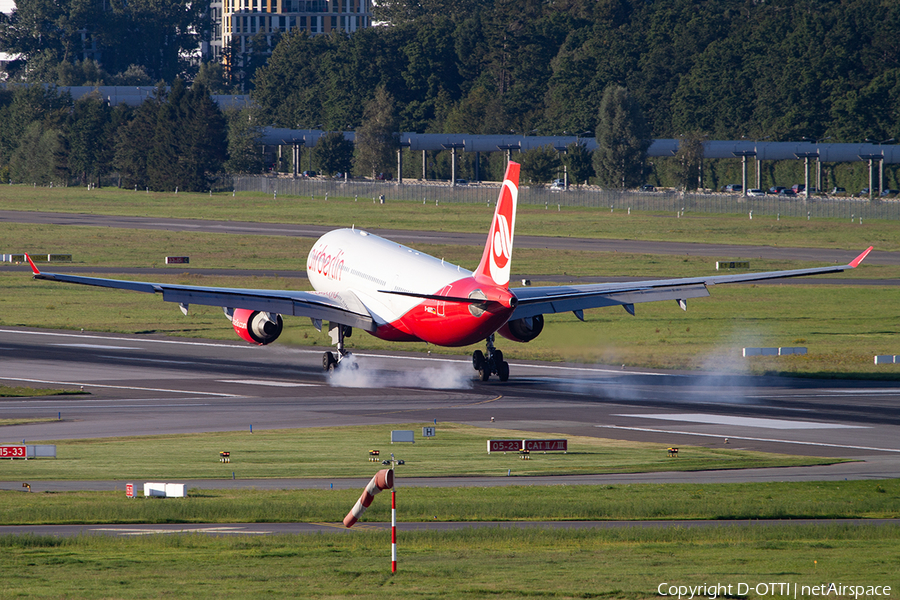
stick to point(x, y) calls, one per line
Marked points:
point(503, 370)
point(478, 360)
point(328, 362)
point(485, 373)
point(497, 357)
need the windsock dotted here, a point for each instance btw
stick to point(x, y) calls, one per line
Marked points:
point(383, 480)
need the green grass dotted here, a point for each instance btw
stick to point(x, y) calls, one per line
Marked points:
point(495, 563)
point(723, 501)
point(30, 392)
point(457, 450)
point(475, 218)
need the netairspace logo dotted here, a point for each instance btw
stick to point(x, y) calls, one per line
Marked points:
point(713, 591)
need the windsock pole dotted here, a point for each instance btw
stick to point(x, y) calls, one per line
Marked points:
point(393, 530)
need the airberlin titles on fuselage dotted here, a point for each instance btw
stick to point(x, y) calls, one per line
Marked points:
point(325, 263)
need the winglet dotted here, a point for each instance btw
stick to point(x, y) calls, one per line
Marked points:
point(34, 269)
point(859, 259)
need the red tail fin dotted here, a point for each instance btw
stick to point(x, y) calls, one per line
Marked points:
point(495, 262)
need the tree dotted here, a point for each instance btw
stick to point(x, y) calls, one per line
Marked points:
point(376, 138)
point(41, 157)
point(133, 138)
point(158, 35)
point(212, 75)
point(90, 144)
point(623, 137)
point(540, 165)
point(690, 159)
point(175, 140)
point(334, 153)
point(579, 162)
point(243, 141)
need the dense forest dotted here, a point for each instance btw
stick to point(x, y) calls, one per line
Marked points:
point(778, 69)
point(765, 70)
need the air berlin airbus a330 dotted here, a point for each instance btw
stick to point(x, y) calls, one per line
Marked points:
point(396, 293)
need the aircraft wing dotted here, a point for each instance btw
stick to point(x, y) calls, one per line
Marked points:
point(576, 298)
point(344, 308)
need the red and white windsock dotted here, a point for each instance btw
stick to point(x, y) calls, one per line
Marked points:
point(383, 480)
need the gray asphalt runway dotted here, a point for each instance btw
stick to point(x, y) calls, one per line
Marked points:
point(143, 385)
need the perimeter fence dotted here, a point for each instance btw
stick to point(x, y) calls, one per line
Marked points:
point(816, 207)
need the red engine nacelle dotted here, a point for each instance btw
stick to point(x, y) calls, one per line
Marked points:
point(523, 330)
point(257, 327)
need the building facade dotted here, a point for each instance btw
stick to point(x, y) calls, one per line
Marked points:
point(235, 22)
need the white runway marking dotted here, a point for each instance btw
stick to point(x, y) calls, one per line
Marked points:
point(743, 421)
point(151, 360)
point(121, 387)
point(269, 383)
point(751, 439)
point(98, 346)
point(151, 531)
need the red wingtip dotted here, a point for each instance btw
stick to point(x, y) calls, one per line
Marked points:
point(34, 269)
point(859, 259)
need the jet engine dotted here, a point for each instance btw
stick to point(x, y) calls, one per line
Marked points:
point(256, 327)
point(523, 330)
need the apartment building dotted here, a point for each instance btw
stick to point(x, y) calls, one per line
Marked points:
point(235, 22)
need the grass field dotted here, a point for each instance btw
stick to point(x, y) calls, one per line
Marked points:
point(474, 218)
point(456, 450)
point(524, 502)
point(495, 563)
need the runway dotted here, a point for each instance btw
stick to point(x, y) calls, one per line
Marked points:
point(151, 385)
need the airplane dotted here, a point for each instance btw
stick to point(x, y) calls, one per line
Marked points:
point(396, 293)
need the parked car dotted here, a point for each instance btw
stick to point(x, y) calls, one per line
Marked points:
point(888, 192)
point(863, 192)
point(647, 188)
point(755, 193)
point(462, 182)
point(787, 193)
point(384, 176)
point(557, 185)
point(309, 173)
point(733, 187)
point(776, 189)
point(799, 188)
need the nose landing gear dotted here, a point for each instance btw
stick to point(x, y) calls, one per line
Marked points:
point(490, 362)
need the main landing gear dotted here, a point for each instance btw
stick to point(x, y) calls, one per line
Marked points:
point(330, 360)
point(490, 362)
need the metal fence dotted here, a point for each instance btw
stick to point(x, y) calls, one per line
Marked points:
point(816, 207)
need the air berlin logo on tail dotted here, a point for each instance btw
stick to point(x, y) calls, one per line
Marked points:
point(502, 234)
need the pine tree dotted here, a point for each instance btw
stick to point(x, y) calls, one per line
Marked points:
point(376, 140)
point(623, 137)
